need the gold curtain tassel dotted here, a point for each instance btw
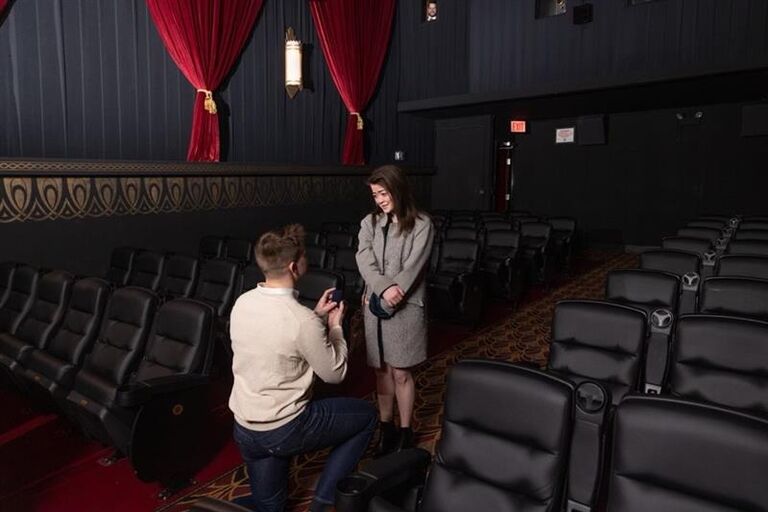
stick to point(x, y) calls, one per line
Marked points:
point(359, 119)
point(209, 104)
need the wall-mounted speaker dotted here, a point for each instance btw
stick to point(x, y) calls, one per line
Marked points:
point(591, 130)
point(754, 120)
point(582, 14)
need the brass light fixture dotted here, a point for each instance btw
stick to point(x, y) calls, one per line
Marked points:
point(293, 81)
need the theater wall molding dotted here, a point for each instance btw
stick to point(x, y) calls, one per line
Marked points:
point(59, 190)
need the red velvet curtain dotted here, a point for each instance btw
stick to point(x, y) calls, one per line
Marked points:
point(204, 37)
point(354, 35)
point(3, 4)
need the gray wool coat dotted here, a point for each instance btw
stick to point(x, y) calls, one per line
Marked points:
point(404, 336)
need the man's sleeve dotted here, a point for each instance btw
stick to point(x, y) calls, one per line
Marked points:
point(324, 350)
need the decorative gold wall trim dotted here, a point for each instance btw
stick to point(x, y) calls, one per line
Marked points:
point(25, 198)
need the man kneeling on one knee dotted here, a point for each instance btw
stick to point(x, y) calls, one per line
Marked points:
point(279, 346)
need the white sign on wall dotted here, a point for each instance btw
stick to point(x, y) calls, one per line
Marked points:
point(565, 135)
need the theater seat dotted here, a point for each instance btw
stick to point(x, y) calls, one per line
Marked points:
point(339, 240)
point(147, 270)
point(501, 269)
point(535, 245)
point(216, 285)
point(344, 263)
point(506, 452)
point(600, 341)
point(683, 264)
point(250, 277)
point(115, 355)
point(694, 245)
point(313, 283)
point(20, 298)
point(748, 247)
point(455, 289)
point(708, 234)
point(497, 225)
point(751, 234)
point(238, 250)
point(317, 257)
point(50, 372)
point(462, 233)
point(648, 290)
point(753, 224)
point(7, 271)
point(211, 247)
point(735, 265)
point(735, 296)
point(563, 238)
point(39, 325)
point(120, 265)
point(710, 224)
point(721, 360)
point(179, 276)
point(157, 415)
point(670, 455)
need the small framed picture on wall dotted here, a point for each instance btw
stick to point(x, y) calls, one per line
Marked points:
point(430, 11)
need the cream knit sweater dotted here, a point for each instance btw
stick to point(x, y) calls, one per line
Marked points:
point(279, 345)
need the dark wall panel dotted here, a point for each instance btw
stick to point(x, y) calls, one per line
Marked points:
point(510, 49)
point(653, 174)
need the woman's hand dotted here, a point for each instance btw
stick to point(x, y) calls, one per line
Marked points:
point(324, 305)
point(336, 316)
point(394, 295)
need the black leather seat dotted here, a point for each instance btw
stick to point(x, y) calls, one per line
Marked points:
point(157, 414)
point(505, 446)
point(344, 263)
point(735, 265)
point(648, 290)
point(147, 270)
point(563, 238)
point(748, 247)
point(216, 285)
point(468, 224)
point(340, 240)
point(39, 325)
point(7, 271)
point(501, 269)
point(709, 234)
point(497, 225)
point(672, 261)
point(455, 288)
point(751, 234)
point(462, 233)
point(238, 250)
point(735, 296)
point(250, 277)
point(317, 257)
point(721, 360)
point(120, 265)
point(314, 238)
point(335, 227)
point(115, 355)
point(211, 247)
point(535, 249)
point(179, 276)
point(670, 455)
point(711, 224)
point(694, 245)
point(753, 224)
point(19, 298)
point(50, 372)
point(600, 341)
point(314, 282)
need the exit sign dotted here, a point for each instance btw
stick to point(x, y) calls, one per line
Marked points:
point(518, 126)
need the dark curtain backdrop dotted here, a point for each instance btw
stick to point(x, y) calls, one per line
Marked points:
point(91, 79)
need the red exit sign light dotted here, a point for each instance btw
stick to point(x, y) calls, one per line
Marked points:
point(518, 126)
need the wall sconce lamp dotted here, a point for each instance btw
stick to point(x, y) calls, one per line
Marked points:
point(293, 82)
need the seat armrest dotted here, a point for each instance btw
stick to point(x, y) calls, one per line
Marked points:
point(137, 393)
point(379, 504)
point(354, 492)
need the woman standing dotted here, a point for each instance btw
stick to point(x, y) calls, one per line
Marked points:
point(394, 247)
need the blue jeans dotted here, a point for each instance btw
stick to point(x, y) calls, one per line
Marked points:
point(347, 424)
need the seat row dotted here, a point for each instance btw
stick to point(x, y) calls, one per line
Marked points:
point(129, 370)
point(537, 441)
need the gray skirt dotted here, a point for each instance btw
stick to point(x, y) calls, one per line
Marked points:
point(404, 337)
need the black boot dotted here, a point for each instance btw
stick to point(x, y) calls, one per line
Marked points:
point(388, 438)
point(405, 440)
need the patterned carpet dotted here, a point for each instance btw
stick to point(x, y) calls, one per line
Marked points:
point(521, 336)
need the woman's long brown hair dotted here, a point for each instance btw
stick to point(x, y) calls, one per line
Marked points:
point(394, 180)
